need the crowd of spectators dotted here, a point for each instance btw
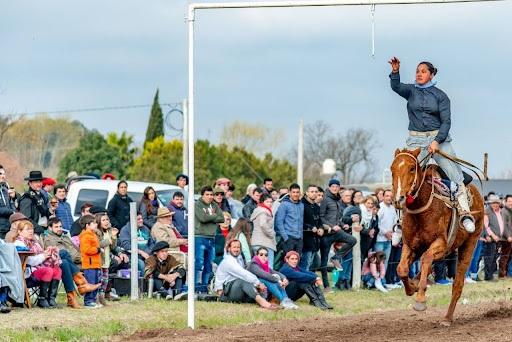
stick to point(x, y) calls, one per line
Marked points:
point(283, 244)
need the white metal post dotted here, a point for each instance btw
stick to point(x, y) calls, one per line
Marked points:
point(185, 136)
point(300, 156)
point(191, 205)
point(134, 254)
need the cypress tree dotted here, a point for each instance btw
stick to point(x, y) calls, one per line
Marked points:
point(156, 121)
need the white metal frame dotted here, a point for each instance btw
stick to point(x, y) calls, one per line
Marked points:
point(190, 127)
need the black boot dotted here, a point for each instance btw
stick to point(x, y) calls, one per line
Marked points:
point(4, 308)
point(313, 297)
point(42, 300)
point(52, 293)
point(321, 297)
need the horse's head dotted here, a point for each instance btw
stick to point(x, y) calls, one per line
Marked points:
point(405, 171)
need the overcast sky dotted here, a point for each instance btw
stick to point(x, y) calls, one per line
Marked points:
point(271, 66)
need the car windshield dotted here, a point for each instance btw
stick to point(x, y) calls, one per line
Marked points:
point(165, 196)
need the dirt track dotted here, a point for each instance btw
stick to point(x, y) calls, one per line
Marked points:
point(485, 322)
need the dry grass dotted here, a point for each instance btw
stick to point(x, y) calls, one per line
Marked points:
point(124, 317)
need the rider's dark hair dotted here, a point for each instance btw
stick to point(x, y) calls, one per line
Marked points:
point(430, 67)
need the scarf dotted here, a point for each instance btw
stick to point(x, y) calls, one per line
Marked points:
point(262, 205)
point(34, 246)
point(263, 265)
point(426, 85)
point(366, 216)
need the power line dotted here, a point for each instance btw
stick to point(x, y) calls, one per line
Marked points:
point(93, 109)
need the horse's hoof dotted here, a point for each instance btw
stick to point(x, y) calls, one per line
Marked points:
point(446, 323)
point(418, 306)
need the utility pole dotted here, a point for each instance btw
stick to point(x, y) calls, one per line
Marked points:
point(185, 136)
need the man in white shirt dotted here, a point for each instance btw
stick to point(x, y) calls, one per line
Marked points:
point(387, 221)
point(233, 283)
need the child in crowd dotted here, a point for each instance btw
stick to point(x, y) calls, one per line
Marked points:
point(374, 270)
point(91, 257)
point(107, 236)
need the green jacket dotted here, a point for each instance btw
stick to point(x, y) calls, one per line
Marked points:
point(62, 242)
point(207, 216)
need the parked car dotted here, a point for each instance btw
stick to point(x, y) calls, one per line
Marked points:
point(100, 192)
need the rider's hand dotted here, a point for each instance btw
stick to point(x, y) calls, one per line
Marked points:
point(434, 147)
point(395, 64)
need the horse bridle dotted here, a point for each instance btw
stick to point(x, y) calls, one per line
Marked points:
point(416, 165)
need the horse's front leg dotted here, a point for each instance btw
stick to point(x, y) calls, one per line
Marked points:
point(406, 260)
point(434, 252)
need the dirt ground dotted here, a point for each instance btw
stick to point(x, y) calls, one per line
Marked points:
point(484, 322)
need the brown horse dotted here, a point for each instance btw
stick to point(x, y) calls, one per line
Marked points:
point(425, 226)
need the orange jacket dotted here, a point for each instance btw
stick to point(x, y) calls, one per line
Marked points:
point(90, 250)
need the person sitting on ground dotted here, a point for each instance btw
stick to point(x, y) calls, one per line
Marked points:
point(70, 256)
point(273, 280)
point(167, 272)
point(144, 241)
point(91, 258)
point(374, 270)
point(242, 232)
point(149, 206)
point(108, 244)
point(163, 230)
point(263, 234)
point(220, 237)
point(43, 266)
point(233, 283)
point(76, 229)
point(302, 282)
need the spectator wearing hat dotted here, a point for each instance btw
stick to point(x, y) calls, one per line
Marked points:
point(167, 272)
point(252, 203)
point(207, 216)
point(220, 200)
point(7, 206)
point(496, 234)
point(32, 203)
point(224, 184)
point(182, 181)
point(85, 209)
point(149, 206)
point(48, 188)
point(180, 215)
point(63, 209)
point(119, 206)
point(163, 230)
point(14, 220)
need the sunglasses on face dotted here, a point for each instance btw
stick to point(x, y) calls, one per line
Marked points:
point(219, 194)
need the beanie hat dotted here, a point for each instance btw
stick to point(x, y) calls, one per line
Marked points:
point(334, 181)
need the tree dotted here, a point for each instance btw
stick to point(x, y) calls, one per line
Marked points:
point(352, 152)
point(93, 154)
point(256, 138)
point(40, 142)
point(156, 121)
point(6, 122)
point(124, 146)
point(160, 161)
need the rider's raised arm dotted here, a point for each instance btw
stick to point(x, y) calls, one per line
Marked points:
point(445, 116)
point(401, 89)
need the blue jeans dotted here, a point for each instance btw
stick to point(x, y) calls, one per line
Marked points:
point(205, 253)
point(68, 269)
point(276, 290)
point(347, 264)
point(369, 280)
point(306, 259)
point(452, 169)
point(270, 255)
point(475, 260)
point(93, 276)
point(383, 246)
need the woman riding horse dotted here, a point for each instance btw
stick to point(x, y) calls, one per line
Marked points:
point(429, 126)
